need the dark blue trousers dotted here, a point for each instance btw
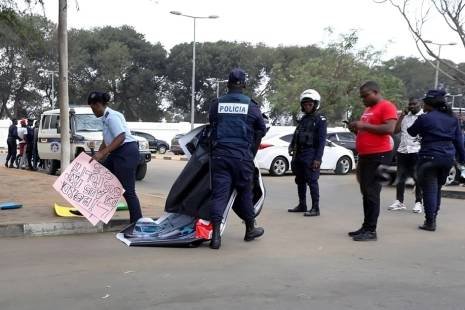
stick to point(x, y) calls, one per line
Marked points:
point(229, 174)
point(432, 174)
point(12, 150)
point(123, 164)
point(301, 166)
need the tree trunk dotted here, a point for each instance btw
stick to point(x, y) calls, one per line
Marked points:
point(63, 83)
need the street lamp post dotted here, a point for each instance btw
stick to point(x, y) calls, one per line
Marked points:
point(52, 74)
point(193, 59)
point(217, 82)
point(436, 77)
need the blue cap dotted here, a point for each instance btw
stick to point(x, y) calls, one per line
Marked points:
point(236, 76)
point(435, 94)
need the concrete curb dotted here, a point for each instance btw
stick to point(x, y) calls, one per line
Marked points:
point(60, 228)
point(169, 157)
point(453, 194)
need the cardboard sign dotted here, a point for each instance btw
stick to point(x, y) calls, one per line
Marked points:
point(91, 188)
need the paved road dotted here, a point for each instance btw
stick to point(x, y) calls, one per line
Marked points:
point(300, 263)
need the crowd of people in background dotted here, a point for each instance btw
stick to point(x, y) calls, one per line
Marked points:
point(22, 145)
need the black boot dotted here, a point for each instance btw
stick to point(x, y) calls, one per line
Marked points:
point(215, 242)
point(429, 225)
point(314, 211)
point(300, 208)
point(252, 232)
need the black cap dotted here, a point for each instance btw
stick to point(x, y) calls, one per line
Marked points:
point(236, 77)
point(437, 94)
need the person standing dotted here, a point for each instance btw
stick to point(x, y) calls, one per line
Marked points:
point(441, 140)
point(374, 145)
point(237, 126)
point(22, 134)
point(306, 148)
point(30, 143)
point(11, 142)
point(407, 156)
point(119, 150)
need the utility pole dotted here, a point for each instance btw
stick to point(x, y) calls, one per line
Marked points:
point(63, 99)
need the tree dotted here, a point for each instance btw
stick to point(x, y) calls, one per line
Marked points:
point(336, 73)
point(417, 14)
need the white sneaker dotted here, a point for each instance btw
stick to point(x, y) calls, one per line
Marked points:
point(418, 208)
point(397, 205)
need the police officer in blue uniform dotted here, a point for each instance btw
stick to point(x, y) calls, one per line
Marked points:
point(306, 148)
point(441, 143)
point(237, 128)
point(120, 149)
point(11, 141)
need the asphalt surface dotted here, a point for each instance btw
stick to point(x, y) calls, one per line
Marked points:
point(300, 263)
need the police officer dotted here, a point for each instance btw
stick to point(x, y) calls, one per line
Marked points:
point(441, 138)
point(30, 143)
point(119, 148)
point(11, 142)
point(237, 126)
point(306, 148)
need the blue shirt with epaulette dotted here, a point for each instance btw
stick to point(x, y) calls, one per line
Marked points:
point(441, 135)
point(114, 124)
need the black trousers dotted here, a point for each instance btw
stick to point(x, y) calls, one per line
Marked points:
point(12, 150)
point(406, 166)
point(370, 187)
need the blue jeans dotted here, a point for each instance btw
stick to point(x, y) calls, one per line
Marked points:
point(123, 164)
point(432, 174)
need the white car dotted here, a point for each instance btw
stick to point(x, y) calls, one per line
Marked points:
point(273, 155)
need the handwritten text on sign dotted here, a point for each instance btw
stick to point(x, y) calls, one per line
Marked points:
point(91, 188)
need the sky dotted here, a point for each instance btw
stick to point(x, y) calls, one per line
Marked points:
point(272, 22)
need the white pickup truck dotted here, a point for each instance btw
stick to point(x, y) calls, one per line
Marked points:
point(86, 134)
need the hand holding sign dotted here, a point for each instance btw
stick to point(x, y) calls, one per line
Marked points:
point(91, 188)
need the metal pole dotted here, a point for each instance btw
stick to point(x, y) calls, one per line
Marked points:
point(53, 90)
point(63, 83)
point(193, 81)
point(436, 79)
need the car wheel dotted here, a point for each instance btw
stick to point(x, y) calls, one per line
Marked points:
point(279, 166)
point(343, 166)
point(141, 171)
point(452, 177)
point(162, 149)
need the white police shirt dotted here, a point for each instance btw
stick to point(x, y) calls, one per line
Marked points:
point(114, 124)
point(409, 144)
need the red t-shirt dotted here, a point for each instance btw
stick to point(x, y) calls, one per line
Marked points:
point(370, 143)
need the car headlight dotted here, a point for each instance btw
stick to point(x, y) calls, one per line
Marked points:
point(143, 145)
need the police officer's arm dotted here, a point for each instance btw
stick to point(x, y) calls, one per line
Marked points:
point(459, 145)
point(117, 130)
point(322, 133)
point(415, 129)
point(259, 125)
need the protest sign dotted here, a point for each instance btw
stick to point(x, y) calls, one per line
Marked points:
point(91, 188)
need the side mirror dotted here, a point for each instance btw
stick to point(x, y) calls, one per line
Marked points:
point(330, 144)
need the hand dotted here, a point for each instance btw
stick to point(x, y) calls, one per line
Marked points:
point(98, 156)
point(316, 165)
point(356, 126)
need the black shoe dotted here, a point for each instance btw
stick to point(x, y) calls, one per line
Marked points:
point(356, 232)
point(215, 242)
point(429, 225)
point(366, 236)
point(252, 232)
point(6, 165)
point(312, 212)
point(299, 208)
point(12, 166)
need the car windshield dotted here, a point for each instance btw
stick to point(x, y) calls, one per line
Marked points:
point(88, 122)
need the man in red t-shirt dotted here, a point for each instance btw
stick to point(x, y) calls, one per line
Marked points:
point(374, 146)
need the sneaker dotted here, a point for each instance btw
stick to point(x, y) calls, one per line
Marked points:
point(366, 236)
point(418, 208)
point(397, 205)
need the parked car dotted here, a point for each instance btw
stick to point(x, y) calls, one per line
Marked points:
point(273, 156)
point(155, 145)
point(343, 137)
point(175, 147)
